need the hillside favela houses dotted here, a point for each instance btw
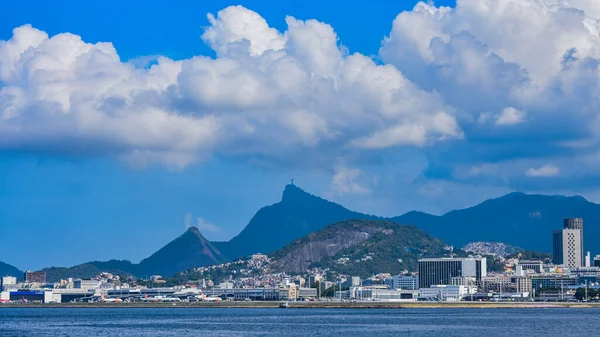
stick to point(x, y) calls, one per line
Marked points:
point(568, 274)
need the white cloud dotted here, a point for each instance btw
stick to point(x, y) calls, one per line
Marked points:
point(511, 116)
point(267, 94)
point(348, 181)
point(545, 171)
point(206, 226)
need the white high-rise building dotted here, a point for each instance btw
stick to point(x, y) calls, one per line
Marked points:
point(568, 248)
point(588, 259)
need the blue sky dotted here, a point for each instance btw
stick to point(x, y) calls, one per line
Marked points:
point(113, 153)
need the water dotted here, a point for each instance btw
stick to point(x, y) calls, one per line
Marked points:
point(297, 322)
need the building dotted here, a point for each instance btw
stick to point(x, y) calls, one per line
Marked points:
point(568, 244)
point(379, 293)
point(522, 284)
point(86, 284)
point(307, 293)
point(463, 281)
point(259, 257)
point(567, 248)
point(6, 281)
point(405, 282)
point(447, 293)
point(553, 281)
point(289, 293)
point(241, 294)
point(588, 260)
point(535, 266)
point(597, 261)
point(35, 277)
point(576, 223)
point(498, 283)
point(586, 274)
point(441, 271)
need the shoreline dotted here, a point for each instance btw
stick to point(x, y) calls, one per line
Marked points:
point(318, 305)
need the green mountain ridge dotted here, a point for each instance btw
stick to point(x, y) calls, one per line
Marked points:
point(90, 270)
point(297, 214)
point(516, 219)
point(359, 247)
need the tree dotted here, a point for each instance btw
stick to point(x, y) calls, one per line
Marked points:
point(580, 294)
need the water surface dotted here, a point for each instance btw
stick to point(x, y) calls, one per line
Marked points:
point(297, 322)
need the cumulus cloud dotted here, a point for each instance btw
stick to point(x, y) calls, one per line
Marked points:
point(543, 172)
point(519, 60)
point(266, 94)
point(532, 67)
point(511, 116)
point(348, 181)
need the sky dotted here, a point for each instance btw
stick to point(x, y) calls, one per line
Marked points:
point(124, 123)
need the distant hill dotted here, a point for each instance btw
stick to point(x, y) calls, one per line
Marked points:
point(187, 251)
point(8, 270)
point(522, 220)
point(516, 219)
point(297, 214)
point(90, 269)
point(359, 247)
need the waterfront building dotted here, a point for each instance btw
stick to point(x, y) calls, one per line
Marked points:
point(305, 293)
point(522, 284)
point(6, 281)
point(553, 281)
point(586, 274)
point(289, 293)
point(86, 284)
point(379, 293)
point(464, 281)
point(405, 282)
point(241, 294)
point(440, 271)
point(497, 283)
point(597, 261)
point(447, 292)
point(35, 277)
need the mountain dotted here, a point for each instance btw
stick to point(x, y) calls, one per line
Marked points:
point(516, 219)
point(522, 220)
point(90, 269)
point(8, 270)
point(297, 214)
point(187, 251)
point(359, 247)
